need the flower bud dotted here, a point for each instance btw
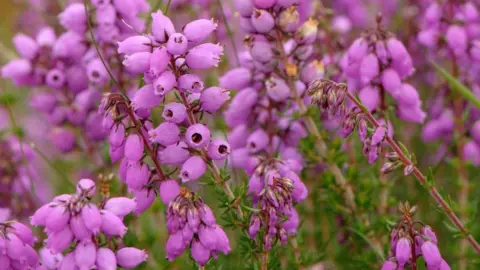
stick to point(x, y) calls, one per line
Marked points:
point(106, 259)
point(146, 98)
point(85, 255)
point(457, 39)
point(112, 225)
point(213, 98)
point(159, 61)
point(403, 251)
point(193, 169)
point(198, 30)
point(169, 190)
point(307, 33)
point(177, 44)
point(257, 141)
point(162, 26)
point(289, 19)
point(244, 7)
point(134, 44)
point(130, 257)
point(91, 213)
point(134, 148)
point(25, 46)
point(174, 154)
point(204, 56)
point(200, 253)
point(120, 206)
point(164, 83)
point(138, 62)
point(190, 82)
point(262, 21)
point(74, 18)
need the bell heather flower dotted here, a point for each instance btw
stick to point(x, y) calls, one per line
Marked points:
point(401, 241)
point(190, 222)
point(374, 66)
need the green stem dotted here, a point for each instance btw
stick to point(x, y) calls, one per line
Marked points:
point(457, 86)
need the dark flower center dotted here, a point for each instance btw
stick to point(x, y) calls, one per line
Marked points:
point(168, 113)
point(222, 149)
point(197, 137)
point(96, 74)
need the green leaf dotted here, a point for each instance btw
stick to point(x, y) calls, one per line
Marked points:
point(457, 85)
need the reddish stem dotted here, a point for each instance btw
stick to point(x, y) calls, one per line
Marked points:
point(420, 177)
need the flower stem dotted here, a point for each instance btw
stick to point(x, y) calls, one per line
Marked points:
point(148, 148)
point(420, 177)
point(264, 265)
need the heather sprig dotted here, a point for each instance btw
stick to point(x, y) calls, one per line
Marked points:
point(329, 95)
point(411, 239)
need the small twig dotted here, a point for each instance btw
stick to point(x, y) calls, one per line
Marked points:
point(419, 175)
point(62, 174)
point(95, 44)
point(229, 32)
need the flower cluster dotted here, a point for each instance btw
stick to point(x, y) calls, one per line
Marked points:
point(452, 29)
point(191, 223)
point(181, 141)
point(16, 246)
point(377, 63)
point(74, 218)
point(264, 132)
point(274, 189)
point(331, 97)
point(408, 242)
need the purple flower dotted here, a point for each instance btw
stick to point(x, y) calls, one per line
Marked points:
point(213, 98)
point(164, 83)
point(166, 133)
point(177, 44)
point(162, 27)
point(431, 254)
point(26, 46)
point(193, 169)
point(130, 257)
point(174, 112)
point(135, 44)
point(403, 251)
point(138, 62)
point(159, 61)
point(74, 18)
point(169, 189)
point(218, 149)
point(106, 259)
point(262, 21)
point(85, 255)
point(134, 148)
point(198, 30)
point(190, 82)
point(197, 136)
point(204, 56)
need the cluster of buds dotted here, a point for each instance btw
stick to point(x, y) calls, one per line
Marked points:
point(410, 240)
point(330, 97)
point(191, 223)
point(377, 63)
point(73, 218)
point(16, 247)
point(274, 190)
